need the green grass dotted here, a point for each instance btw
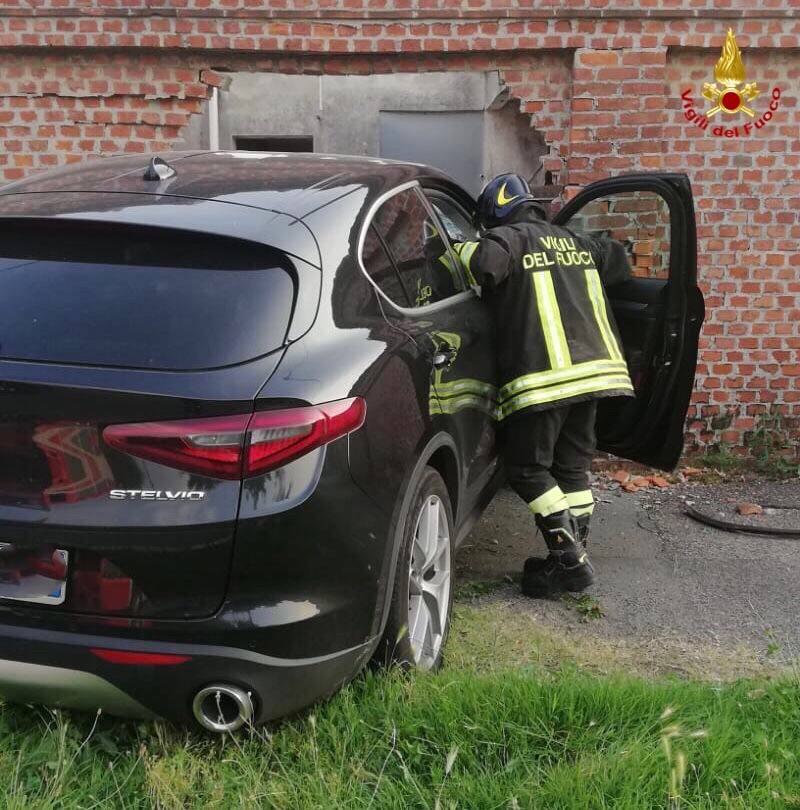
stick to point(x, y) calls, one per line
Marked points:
point(765, 456)
point(457, 739)
point(771, 449)
point(587, 606)
point(490, 637)
point(512, 721)
point(722, 460)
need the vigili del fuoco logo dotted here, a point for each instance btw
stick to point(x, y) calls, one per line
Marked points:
point(729, 94)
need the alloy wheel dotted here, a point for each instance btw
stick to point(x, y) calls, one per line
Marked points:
point(429, 583)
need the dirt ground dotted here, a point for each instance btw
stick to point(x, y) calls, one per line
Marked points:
point(675, 595)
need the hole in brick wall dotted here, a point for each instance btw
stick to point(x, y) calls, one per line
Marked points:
point(258, 143)
point(464, 122)
point(514, 145)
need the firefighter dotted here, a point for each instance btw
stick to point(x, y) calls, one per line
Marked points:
point(558, 352)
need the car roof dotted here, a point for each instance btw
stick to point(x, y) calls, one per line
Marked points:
point(291, 183)
point(258, 196)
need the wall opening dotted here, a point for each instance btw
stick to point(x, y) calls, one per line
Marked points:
point(463, 122)
point(273, 143)
point(451, 141)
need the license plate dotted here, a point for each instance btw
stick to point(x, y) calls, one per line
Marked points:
point(37, 575)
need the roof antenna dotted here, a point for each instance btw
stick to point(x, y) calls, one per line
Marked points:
point(159, 170)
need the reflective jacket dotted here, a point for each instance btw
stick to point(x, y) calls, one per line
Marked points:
point(557, 342)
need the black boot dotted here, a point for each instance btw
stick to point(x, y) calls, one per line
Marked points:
point(583, 522)
point(566, 568)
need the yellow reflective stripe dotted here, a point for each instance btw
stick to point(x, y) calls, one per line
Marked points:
point(468, 397)
point(456, 395)
point(447, 261)
point(465, 252)
point(465, 384)
point(451, 406)
point(450, 339)
point(477, 398)
point(595, 289)
point(577, 511)
point(576, 372)
point(555, 393)
point(580, 503)
point(552, 501)
point(550, 315)
point(582, 498)
point(459, 403)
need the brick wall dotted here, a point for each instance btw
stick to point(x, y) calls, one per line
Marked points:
point(601, 79)
point(58, 109)
point(748, 204)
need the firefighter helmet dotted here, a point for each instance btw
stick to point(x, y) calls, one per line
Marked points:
point(500, 197)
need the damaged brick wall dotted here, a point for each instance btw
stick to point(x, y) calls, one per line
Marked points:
point(601, 80)
point(58, 109)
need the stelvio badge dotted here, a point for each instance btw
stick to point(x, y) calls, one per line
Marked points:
point(730, 94)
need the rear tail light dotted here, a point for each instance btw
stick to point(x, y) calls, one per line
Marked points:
point(207, 446)
point(234, 447)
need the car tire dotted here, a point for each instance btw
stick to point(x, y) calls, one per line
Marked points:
point(419, 614)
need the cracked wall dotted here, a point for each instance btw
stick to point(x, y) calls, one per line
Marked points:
point(601, 83)
point(60, 109)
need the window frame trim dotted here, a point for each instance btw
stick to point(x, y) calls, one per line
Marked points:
point(388, 253)
point(415, 312)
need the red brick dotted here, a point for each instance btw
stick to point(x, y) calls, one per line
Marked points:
point(613, 105)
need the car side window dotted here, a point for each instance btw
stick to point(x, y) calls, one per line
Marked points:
point(455, 220)
point(382, 270)
point(425, 265)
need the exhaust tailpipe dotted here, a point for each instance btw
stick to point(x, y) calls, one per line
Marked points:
point(222, 707)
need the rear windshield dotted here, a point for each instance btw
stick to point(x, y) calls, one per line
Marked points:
point(134, 297)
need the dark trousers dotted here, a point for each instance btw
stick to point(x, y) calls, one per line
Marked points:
point(547, 456)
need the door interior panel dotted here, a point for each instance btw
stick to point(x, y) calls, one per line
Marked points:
point(638, 307)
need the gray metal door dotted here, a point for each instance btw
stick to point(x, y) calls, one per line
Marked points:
point(451, 141)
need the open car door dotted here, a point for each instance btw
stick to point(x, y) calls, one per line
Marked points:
point(659, 310)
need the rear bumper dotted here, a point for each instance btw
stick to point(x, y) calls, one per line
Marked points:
point(24, 682)
point(299, 619)
point(59, 669)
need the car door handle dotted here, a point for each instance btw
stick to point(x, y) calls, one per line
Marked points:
point(444, 356)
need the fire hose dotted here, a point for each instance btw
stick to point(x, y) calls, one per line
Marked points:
point(750, 528)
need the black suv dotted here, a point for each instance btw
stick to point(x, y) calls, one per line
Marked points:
point(248, 412)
